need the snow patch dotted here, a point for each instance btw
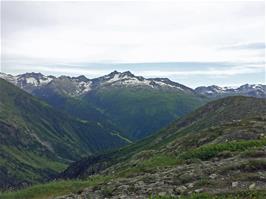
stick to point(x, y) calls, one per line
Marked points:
point(9, 78)
point(31, 80)
point(163, 84)
point(115, 78)
point(83, 87)
point(134, 81)
point(45, 80)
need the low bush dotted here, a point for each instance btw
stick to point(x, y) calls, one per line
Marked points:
point(207, 152)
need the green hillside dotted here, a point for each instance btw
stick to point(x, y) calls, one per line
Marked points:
point(37, 141)
point(140, 111)
point(57, 95)
point(134, 111)
point(219, 148)
point(217, 151)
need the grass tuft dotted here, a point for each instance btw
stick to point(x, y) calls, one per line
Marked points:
point(53, 189)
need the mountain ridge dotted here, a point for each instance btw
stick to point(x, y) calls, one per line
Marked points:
point(255, 90)
point(29, 81)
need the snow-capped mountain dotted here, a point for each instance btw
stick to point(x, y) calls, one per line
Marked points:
point(76, 86)
point(255, 90)
point(117, 79)
point(127, 79)
point(28, 81)
point(34, 81)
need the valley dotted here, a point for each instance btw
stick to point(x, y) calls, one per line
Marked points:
point(132, 105)
point(122, 140)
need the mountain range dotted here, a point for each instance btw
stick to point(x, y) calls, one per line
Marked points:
point(125, 135)
point(255, 90)
point(132, 105)
point(75, 86)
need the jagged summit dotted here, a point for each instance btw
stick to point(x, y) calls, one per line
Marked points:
point(32, 74)
point(128, 79)
point(120, 74)
point(81, 78)
point(128, 73)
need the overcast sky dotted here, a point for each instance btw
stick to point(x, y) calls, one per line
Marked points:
point(195, 44)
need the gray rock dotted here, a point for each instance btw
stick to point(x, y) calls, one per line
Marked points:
point(234, 184)
point(180, 189)
point(213, 176)
point(199, 190)
point(252, 186)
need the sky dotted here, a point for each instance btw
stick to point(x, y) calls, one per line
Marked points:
point(193, 43)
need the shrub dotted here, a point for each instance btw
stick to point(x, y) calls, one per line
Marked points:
point(212, 150)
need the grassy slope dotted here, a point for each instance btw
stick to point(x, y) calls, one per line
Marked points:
point(37, 141)
point(140, 112)
point(56, 94)
point(60, 188)
point(210, 115)
point(52, 189)
point(135, 112)
point(237, 137)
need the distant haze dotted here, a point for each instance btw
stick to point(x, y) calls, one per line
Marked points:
point(201, 43)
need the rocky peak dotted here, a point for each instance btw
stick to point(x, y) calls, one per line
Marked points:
point(120, 74)
point(81, 78)
point(31, 80)
point(112, 74)
point(32, 74)
point(127, 73)
point(251, 86)
point(64, 77)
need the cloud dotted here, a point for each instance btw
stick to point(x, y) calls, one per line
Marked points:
point(129, 31)
point(174, 69)
point(247, 46)
point(230, 71)
point(63, 37)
